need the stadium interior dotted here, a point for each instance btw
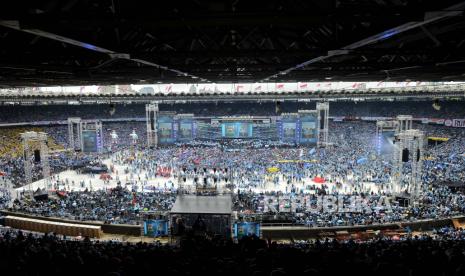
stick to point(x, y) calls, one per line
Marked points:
point(235, 137)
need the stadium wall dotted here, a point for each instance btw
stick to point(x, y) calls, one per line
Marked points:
point(269, 231)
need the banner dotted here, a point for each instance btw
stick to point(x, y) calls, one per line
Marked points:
point(155, 228)
point(244, 229)
point(436, 121)
point(455, 123)
point(272, 169)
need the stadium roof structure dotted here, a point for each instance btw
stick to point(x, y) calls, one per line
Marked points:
point(69, 42)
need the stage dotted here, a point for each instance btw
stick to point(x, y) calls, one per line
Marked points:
point(201, 215)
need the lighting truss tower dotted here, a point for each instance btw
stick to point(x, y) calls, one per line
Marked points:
point(74, 138)
point(409, 150)
point(114, 137)
point(152, 126)
point(404, 122)
point(382, 126)
point(40, 141)
point(323, 123)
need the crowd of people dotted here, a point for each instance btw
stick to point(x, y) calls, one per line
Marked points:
point(259, 191)
point(263, 175)
point(118, 205)
point(15, 114)
point(12, 153)
point(440, 253)
point(12, 157)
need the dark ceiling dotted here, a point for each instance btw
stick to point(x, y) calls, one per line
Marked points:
point(70, 42)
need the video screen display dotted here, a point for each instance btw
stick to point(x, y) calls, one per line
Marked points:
point(185, 130)
point(289, 130)
point(164, 131)
point(308, 129)
point(155, 228)
point(89, 141)
point(237, 130)
point(244, 130)
point(229, 130)
point(244, 229)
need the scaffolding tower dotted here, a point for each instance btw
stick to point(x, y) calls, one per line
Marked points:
point(114, 139)
point(404, 122)
point(384, 126)
point(323, 123)
point(152, 126)
point(408, 151)
point(40, 142)
point(74, 133)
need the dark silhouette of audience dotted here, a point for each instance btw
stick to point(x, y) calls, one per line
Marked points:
point(30, 254)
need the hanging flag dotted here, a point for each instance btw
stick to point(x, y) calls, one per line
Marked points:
point(134, 199)
point(278, 107)
point(362, 160)
point(319, 180)
point(280, 86)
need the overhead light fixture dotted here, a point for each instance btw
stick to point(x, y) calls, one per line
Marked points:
point(436, 105)
point(112, 109)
